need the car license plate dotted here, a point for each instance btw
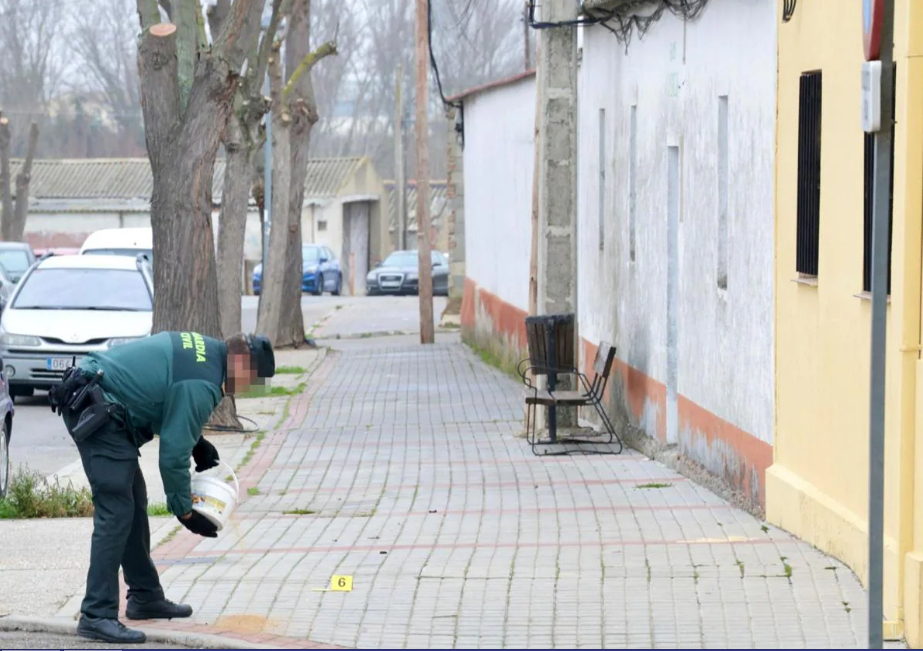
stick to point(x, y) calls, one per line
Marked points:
point(58, 363)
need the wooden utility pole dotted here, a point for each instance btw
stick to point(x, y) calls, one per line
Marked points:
point(400, 181)
point(526, 33)
point(426, 265)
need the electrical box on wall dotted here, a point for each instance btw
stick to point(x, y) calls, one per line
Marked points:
point(871, 96)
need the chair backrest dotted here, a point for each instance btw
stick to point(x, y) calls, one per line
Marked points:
point(605, 356)
point(537, 330)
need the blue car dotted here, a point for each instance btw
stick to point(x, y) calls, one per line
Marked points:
point(320, 271)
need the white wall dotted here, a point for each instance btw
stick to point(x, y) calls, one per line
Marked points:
point(498, 166)
point(675, 75)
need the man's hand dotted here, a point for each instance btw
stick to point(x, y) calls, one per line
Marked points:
point(198, 524)
point(205, 455)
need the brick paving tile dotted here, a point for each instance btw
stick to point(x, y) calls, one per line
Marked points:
point(400, 467)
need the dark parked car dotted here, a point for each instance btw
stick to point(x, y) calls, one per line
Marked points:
point(6, 431)
point(320, 271)
point(400, 274)
point(16, 258)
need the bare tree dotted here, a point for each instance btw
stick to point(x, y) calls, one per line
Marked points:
point(31, 68)
point(13, 223)
point(185, 111)
point(243, 140)
point(103, 42)
point(294, 113)
point(300, 64)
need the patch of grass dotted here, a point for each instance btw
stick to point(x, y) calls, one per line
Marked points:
point(291, 370)
point(366, 335)
point(764, 528)
point(299, 512)
point(158, 509)
point(830, 567)
point(450, 326)
point(263, 391)
point(846, 606)
point(339, 307)
point(253, 490)
point(787, 568)
point(31, 496)
point(740, 564)
point(653, 485)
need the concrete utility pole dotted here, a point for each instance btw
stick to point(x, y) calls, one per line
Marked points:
point(557, 241)
point(400, 182)
point(882, 206)
point(427, 335)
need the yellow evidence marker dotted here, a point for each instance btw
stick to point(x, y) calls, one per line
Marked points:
point(341, 583)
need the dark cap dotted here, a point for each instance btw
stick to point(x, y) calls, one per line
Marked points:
point(262, 355)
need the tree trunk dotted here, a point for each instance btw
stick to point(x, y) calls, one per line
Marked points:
point(271, 287)
point(22, 187)
point(304, 116)
point(6, 188)
point(232, 226)
point(182, 141)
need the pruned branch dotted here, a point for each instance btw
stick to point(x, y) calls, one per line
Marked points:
point(276, 89)
point(238, 33)
point(148, 13)
point(190, 39)
point(280, 9)
point(22, 186)
point(217, 15)
point(160, 88)
point(327, 49)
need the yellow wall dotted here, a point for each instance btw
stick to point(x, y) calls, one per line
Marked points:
point(818, 485)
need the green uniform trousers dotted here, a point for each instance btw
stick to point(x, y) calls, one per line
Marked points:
point(121, 530)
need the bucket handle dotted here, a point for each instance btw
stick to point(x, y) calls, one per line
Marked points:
point(234, 476)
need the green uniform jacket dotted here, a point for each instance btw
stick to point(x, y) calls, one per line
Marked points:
point(169, 384)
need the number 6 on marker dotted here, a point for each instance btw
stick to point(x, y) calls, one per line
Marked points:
point(341, 583)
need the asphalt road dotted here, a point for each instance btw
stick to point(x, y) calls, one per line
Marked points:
point(40, 441)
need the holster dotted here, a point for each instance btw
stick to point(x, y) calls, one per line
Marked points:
point(94, 415)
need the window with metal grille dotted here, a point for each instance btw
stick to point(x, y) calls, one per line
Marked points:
point(869, 203)
point(809, 142)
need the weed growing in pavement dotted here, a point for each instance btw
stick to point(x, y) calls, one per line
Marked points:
point(253, 490)
point(253, 447)
point(170, 536)
point(653, 484)
point(290, 370)
point(158, 509)
point(764, 528)
point(787, 568)
point(32, 496)
point(299, 512)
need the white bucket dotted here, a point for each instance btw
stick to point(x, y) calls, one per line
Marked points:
point(214, 498)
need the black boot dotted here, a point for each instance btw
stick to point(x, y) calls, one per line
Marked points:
point(162, 609)
point(108, 630)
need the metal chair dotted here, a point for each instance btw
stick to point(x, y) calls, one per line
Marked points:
point(591, 396)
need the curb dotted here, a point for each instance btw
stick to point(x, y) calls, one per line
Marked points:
point(69, 627)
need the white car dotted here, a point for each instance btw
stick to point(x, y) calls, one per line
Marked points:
point(68, 306)
point(119, 241)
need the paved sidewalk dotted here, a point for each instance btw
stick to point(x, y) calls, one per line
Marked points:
point(398, 467)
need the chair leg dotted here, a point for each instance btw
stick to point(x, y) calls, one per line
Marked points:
point(608, 424)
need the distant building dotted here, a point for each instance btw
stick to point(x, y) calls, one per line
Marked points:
point(71, 198)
